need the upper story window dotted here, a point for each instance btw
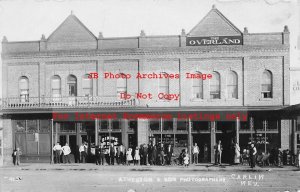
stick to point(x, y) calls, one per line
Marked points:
point(56, 87)
point(215, 86)
point(198, 87)
point(72, 84)
point(232, 85)
point(266, 85)
point(121, 85)
point(87, 85)
point(24, 89)
point(164, 85)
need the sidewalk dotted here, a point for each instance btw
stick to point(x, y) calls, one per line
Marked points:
point(91, 167)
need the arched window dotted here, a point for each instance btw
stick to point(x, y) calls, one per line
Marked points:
point(87, 85)
point(164, 85)
point(121, 85)
point(266, 85)
point(56, 88)
point(215, 86)
point(72, 84)
point(232, 85)
point(24, 89)
point(198, 87)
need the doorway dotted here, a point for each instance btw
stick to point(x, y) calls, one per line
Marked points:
point(203, 141)
point(226, 133)
point(74, 149)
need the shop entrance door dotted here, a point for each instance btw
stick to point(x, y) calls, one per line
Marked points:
point(203, 142)
point(74, 149)
point(227, 137)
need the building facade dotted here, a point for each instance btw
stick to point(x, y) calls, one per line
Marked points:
point(213, 83)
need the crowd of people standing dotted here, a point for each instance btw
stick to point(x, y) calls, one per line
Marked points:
point(163, 154)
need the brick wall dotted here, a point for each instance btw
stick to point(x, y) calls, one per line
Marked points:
point(285, 134)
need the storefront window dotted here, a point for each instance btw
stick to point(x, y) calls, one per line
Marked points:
point(154, 125)
point(258, 124)
point(116, 124)
point(66, 127)
point(182, 125)
point(20, 125)
point(104, 124)
point(244, 125)
point(225, 125)
point(32, 126)
point(181, 140)
point(272, 125)
point(200, 125)
point(168, 125)
point(132, 124)
point(45, 126)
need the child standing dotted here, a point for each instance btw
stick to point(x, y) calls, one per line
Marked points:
point(137, 156)
point(186, 160)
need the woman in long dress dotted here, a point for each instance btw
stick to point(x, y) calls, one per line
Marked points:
point(137, 156)
point(237, 155)
point(128, 156)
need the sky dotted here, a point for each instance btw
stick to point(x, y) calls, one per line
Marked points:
point(26, 20)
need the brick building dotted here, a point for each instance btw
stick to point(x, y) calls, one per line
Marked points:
point(250, 76)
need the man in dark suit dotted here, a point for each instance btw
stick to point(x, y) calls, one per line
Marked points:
point(111, 154)
point(145, 154)
point(161, 154)
point(169, 152)
point(98, 152)
point(120, 154)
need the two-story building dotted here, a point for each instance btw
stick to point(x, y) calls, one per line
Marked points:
point(50, 96)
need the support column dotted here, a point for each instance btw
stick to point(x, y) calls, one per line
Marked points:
point(124, 128)
point(294, 137)
point(190, 139)
point(51, 141)
point(142, 131)
point(78, 137)
point(212, 141)
point(237, 128)
point(96, 132)
point(285, 134)
point(8, 132)
point(251, 127)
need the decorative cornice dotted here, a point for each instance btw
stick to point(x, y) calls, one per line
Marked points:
point(146, 51)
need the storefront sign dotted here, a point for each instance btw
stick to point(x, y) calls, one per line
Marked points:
point(221, 40)
point(261, 139)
